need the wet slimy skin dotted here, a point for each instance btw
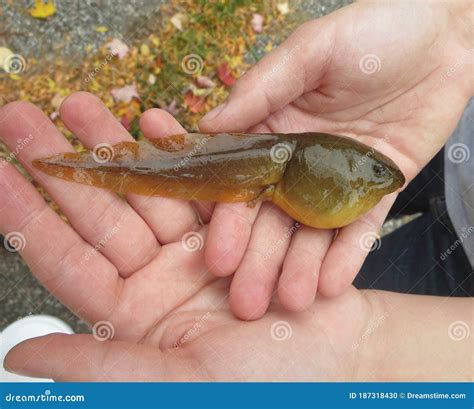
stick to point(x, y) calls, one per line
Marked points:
point(321, 180)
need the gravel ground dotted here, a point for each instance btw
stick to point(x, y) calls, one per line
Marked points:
point(67, 34)
point(73, 27)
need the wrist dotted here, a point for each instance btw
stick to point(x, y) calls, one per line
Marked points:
point(372, 343)
point(420, 338)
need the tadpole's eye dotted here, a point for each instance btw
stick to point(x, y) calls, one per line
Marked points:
point(379, 170)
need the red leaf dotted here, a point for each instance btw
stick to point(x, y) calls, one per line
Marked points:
point(195, 104)
point(225, 75)
point(126, 122)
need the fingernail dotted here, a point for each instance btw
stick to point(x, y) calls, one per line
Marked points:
point(213, 114)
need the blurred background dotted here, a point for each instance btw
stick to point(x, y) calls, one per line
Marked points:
point(180, 55)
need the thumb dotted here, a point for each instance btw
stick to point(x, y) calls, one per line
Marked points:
point(292, 69)
point(82, 358)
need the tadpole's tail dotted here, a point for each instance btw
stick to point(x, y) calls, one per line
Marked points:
point(223, 167)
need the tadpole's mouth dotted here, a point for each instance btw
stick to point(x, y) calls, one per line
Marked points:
point(398, 177)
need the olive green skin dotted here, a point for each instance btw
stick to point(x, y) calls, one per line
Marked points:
point(321, 180)
point(331, 180)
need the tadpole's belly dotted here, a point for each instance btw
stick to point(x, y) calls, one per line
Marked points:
point(320, 180)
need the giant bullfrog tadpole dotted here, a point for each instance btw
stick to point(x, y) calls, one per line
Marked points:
point(321, 180)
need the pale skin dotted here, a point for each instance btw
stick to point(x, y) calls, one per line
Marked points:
point(157, 295)
point(314, 81)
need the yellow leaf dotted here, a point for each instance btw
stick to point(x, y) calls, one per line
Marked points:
point(269, 47)
point(5, 53)
point(43, 9)
point(15, 77)
point(155, 41)
point(144, 49)
point(51, 84)
point(94, 85)
point(101, 29)
point(234, 61)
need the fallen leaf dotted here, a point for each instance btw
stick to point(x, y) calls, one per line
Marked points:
point(257, 23)
point(144, 49)
point(194, 103)
point(283, 7)
point(205, 82)
point(151, 79)
point(5, 53)
point(57, 100)
point(101, 29)
point(171, 108)
point(179, 20)
point(43, 9)
point(198, 92)
point(225, 75)
point(155, 40)
point(126, 122)
point(125, 94)
point(117, 47)
point(234, 61)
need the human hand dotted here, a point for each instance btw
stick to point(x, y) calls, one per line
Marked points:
point(157, 314)
point(395, 76)
point(122, 266)
point(195, 344)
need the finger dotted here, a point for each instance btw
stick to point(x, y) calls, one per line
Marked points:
point(297, 66)
point(254, 281)
point(229, 235)
point(100, 217)
point(68, 266)
point(350, 248)
point(172, 218)
point(96, 125)
point(82, 358)
point(299, 278)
